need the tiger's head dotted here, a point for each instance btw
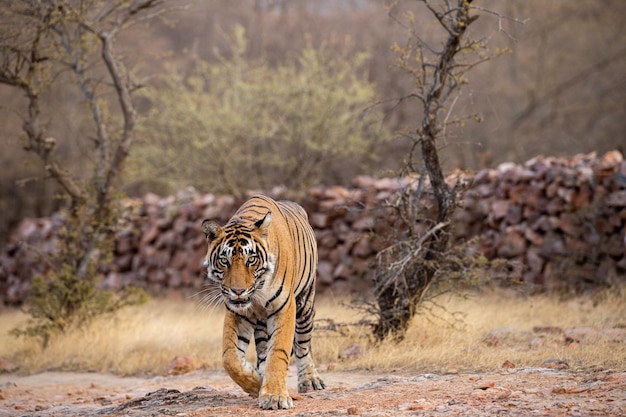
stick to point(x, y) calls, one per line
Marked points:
point(238, 261)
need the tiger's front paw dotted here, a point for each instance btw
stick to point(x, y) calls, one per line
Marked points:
point(313, 383)
point(275, 401)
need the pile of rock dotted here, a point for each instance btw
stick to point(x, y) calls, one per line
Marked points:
point(562, 222)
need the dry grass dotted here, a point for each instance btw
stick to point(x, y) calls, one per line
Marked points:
point(438, 344)
point(142, 340)
point(137, 340)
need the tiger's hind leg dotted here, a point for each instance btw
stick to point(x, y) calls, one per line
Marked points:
point(308, 377)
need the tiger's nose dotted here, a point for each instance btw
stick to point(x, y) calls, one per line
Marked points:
point(238, 291)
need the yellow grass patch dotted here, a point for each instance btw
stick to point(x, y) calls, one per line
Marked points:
point(136, 340)
point(438, 344)
point(143, 340)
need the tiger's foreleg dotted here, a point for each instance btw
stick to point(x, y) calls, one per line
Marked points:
point(273, 394)
point(236, 338)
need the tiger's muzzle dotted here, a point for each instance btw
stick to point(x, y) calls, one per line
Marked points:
point(238, 297)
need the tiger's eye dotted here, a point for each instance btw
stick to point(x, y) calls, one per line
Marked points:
point(223, 260)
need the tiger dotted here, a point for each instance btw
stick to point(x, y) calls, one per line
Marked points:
point(264, 263)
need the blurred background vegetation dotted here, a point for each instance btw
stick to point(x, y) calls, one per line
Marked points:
point(253, 94)
point(240, 123)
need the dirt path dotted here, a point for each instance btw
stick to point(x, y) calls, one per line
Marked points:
point(513, 392)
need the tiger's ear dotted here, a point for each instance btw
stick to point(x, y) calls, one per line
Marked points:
point(263, 224)
point(212, 230)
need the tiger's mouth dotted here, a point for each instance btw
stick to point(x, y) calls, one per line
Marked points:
point(239, 301)
point(240, 297)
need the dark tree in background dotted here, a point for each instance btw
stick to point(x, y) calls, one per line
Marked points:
point(412, 263)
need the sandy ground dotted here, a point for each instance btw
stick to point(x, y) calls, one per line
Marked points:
point(511, 392)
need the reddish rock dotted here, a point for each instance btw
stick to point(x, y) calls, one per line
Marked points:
point(534, 261)
point(351, 352)
point(513, 244)
point(499, 208)
point(324, 273)
point(617, 199)
point(183, 365)
point(508, 364)
point(362, 248)
point(320, 220)
point(149, 235)
point(561, 220)
point(364, 223)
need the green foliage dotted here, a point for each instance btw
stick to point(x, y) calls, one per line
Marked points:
point(69, 294)
point(240, 123)
point(61, 301)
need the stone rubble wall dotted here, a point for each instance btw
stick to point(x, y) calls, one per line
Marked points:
point(562, 221)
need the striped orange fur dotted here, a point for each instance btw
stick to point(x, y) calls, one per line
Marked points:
point(264, 262)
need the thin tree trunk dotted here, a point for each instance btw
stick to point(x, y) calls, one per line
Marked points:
point(399, 290)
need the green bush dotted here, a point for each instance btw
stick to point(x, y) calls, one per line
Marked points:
point(60, 301)
point(240, 124)
point(66, 296)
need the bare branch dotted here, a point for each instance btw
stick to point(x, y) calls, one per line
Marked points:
point(502, 17)
point(410, 265)
point(565, 85)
